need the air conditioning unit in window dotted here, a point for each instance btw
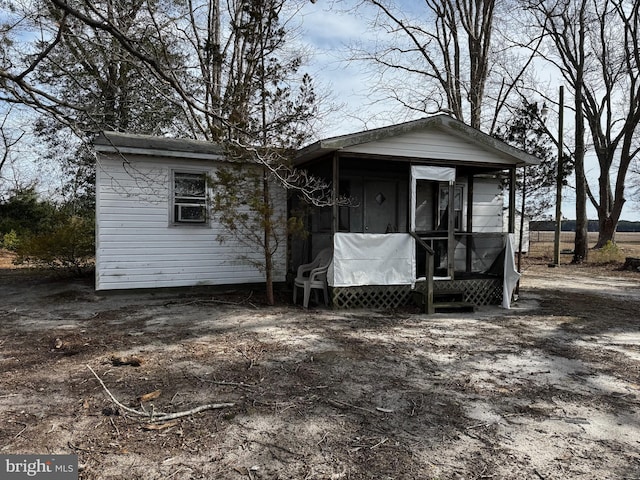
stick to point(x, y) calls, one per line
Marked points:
point(190, 213)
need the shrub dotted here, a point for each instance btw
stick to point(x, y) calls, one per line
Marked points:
point(69, 245)
point(10, 241)
point(610, 253)
point(24, 212)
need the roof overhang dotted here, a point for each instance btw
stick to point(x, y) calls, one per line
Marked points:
point(441, 122)
point(126, 143)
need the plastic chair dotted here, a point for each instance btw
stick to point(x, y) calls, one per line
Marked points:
point(313, 276)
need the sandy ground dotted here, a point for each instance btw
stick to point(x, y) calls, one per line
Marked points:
point(546, 390)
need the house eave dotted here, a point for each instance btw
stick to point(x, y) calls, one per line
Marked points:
point(147, 145)
point(514, 156)
point(158, 153)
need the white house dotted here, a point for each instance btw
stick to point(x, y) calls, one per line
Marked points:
point(152, 223)
point(431, 188)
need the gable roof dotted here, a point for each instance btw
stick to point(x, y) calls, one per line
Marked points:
point(443, 124)
point(117, 142)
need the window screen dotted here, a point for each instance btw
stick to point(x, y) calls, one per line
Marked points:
point(189, 198)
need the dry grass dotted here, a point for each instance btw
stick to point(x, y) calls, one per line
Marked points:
point(6, 259)
point(541, 248)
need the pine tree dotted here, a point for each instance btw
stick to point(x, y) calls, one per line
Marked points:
point(271, 118)
point(526, 131)
point(88, 67)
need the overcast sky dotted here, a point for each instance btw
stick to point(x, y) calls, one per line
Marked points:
point(327, 29)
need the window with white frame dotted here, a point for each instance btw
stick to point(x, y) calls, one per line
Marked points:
point(189, 198)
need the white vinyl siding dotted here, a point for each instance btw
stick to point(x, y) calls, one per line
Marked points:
point(487, 218)
point(488, 203)
point(139, 246)
point(432, 143)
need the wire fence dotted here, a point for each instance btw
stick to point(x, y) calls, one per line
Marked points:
point(569, 237)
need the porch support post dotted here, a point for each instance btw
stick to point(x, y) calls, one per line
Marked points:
point(451, 246)
point(512, 200)
point(469, 236)
point(335, 194)
point(429, 309)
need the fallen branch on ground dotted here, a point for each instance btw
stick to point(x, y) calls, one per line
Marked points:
point(155, 416)
point(339, 404)
point(212, 301)
point(155, 426)
point(120, 361)
point(246, 386)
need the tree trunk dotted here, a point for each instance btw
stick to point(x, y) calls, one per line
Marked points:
point(268, 226)
point(267, 213)
point(477, 20)
point(606, 231)
point(581, 242)
point(608, 219)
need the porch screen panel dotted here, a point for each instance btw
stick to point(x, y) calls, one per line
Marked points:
point(372, 259)
point(426, 172)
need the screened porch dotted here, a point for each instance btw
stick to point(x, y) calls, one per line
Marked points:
point(430, 203)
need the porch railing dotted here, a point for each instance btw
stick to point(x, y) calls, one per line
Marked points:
point(373, 270)
point(427, 288)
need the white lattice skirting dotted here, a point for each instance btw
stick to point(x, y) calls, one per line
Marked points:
point(377, 297)
point(479, 291)
point(483, 291)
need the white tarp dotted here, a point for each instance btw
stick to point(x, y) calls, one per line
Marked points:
point(426, 172)
point(437, 174)
point(511, 275)
point(372, 259)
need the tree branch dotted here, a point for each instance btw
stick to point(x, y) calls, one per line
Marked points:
point(155, 416)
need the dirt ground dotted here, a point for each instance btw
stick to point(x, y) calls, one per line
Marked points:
point(547, 390)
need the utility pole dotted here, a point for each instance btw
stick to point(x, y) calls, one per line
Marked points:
point(559, 181)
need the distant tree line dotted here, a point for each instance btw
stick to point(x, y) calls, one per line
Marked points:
point(570, 226)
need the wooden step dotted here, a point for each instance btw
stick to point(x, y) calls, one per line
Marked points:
point(446, 303)
point(446, 296)
point(454, 307)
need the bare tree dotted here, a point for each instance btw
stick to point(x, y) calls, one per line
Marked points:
point(10, 137)
point(444, 60)
point(20, 59)
point(604, 74)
